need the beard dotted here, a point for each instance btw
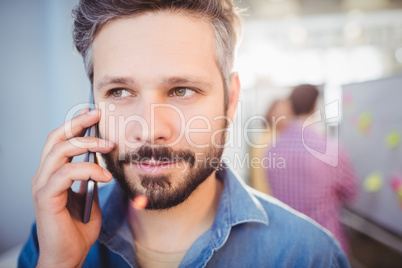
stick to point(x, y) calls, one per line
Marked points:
point(159, 191)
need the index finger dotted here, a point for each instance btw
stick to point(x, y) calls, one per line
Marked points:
point(69, 130)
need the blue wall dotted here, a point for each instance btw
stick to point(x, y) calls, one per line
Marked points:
point(41, 78)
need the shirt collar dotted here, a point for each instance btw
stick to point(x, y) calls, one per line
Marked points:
point(115, 231)
point(237, 205)
point(113, 208)
point(244, 206)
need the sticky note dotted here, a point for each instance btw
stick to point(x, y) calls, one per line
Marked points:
point(393, 139)
point(365, 122)
point(373, 182)
point(396, 183)
point(347, 98)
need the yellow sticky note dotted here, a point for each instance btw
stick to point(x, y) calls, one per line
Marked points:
point(393, 139)
point(365, 122)
point(373, 182)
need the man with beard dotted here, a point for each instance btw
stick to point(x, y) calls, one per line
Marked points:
point(161, 73)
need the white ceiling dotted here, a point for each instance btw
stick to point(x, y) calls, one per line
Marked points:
point(274, 9)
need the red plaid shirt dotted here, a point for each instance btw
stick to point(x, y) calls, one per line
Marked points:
point(309, 185)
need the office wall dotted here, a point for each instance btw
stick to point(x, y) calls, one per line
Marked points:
point(371, 130)
point(41, 78)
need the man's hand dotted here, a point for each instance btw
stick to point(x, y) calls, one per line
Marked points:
point(64, 241)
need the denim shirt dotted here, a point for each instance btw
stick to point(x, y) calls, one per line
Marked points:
point(250, 229)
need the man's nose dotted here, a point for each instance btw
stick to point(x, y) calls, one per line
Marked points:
point(158, 122)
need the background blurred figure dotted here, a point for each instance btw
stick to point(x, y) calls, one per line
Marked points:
point(308, 184)
point(277, 117)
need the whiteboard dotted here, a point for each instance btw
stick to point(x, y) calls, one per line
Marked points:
point(371, 130)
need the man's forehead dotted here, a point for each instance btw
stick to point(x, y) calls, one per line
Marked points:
point(156, 28)
point(174, 43)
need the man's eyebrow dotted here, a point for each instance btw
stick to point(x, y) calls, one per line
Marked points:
point(185, 81)
point(169, 81)
point(109, 80)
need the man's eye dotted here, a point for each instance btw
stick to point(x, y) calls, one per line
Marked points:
point(119, 92)
point(182, 92)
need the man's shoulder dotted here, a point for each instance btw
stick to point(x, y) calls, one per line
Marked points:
point(277, 219)
point(287, 239)
point(295, 233)
point(282, 216)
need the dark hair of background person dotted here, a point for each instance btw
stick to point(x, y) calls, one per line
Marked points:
point(303, 99)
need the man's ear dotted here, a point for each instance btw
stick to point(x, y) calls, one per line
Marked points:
point(234, 93)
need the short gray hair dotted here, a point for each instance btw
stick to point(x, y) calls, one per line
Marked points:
point(90, 16)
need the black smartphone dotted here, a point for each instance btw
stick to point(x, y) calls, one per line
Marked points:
point(90, 185)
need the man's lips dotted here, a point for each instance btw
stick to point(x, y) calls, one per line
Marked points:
point(153, 166)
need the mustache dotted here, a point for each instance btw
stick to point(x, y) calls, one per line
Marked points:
point(159, 153)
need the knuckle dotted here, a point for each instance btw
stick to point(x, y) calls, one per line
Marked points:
point(95, 167)
point(91, 143)
point(34, 179)
point(78, 142)
point(56, 148)
point(65, 170)
point(39, 197)
point(33, 192)
point(52, 135)
point(33, 183)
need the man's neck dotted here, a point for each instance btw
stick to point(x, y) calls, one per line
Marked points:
point(176, 229)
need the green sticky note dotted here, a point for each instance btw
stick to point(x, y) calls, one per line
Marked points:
point(365, 122)
point(393, 139)
point(373, 182)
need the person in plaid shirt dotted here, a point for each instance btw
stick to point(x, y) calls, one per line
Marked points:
point(306, 182)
